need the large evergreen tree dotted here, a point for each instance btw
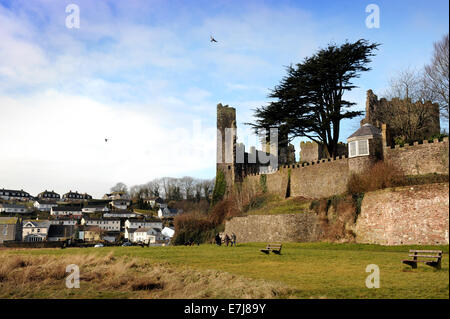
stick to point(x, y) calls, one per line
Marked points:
point(309, 100)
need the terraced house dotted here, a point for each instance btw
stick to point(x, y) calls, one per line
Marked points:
point(104, 224)
point(75, 196)
point(13, 209)
point(49, 195)
point(72, 211)
point(11, 194)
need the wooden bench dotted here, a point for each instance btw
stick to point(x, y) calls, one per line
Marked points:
point(429, 257)
point(275, 248)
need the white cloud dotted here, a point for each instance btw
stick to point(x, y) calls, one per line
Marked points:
point(63, 136)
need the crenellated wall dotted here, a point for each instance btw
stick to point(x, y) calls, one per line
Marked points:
point(420, 158)
point(311, 180)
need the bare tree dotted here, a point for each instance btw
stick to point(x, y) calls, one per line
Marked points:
point(119, 187)
point(410, 113)
point(437, 74)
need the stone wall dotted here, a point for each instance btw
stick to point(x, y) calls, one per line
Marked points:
point(312, 151)
point(323, 179)
point(275, 228)
point(419, 159)
point(407, 215)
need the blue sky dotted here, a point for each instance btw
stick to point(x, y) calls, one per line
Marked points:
point(144, 74)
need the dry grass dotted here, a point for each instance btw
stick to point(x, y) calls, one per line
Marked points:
point(25, 276)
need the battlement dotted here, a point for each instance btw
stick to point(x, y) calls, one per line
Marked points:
point(304, 165)
point(424, 142)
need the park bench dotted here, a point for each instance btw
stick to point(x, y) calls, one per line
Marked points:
point(275, 248)
point(429, 257)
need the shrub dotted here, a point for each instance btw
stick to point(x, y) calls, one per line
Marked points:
point(380, 175)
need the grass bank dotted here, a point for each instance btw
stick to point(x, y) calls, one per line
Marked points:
point(304, 270)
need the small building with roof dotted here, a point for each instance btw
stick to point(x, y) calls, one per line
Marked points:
point(364, 148)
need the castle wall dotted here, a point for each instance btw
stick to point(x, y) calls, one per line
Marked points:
point(302, 227)
point(419, 159)
point(393, 216)
point(407, 215)
point(323, 179)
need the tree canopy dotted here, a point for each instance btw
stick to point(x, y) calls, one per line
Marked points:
point(309, 99)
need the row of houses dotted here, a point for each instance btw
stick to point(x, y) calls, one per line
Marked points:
point(12, 194)
point(136, 230)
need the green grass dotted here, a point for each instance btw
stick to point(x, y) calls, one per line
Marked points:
point(273, 205)
point(313, 270)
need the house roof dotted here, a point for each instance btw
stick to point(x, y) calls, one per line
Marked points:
point(120, 211)
point(67, 209)
point(37, 223)
point(136, 220)
point(46, 193)
point(366, 130)
point(46, 201)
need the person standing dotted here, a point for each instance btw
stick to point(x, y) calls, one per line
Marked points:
point(227, 239)
point(218, 240)
point(233, 239)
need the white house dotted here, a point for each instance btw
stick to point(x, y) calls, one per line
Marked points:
point(13, 209)
point(44, 205)
point(66, 221)
point(34, 230)
point(95, 208)
point(139, 223)
point(120, 203)
point(120, 214)
point(146, 235)
point(169, 212)
point(153, 201)
point(66, 211)
point(104, 224)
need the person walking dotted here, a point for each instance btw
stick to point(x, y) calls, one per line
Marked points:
point(233, 239)
point(227, 240)
point(218, 240)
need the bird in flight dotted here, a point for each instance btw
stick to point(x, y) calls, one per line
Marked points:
point(212, 39)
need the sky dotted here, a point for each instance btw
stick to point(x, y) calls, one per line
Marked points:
point(144, 75)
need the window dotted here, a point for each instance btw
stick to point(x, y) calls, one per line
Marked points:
point(358, 148)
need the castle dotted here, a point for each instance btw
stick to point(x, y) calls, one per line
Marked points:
point(315, 176)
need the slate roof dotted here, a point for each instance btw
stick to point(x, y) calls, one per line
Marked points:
point(366, 130)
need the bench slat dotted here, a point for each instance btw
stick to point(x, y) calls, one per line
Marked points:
point(426, 251)
point(428, 256)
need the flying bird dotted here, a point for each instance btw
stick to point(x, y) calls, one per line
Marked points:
point(212, 39)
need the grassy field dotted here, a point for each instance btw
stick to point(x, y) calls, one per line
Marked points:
point(304, 270)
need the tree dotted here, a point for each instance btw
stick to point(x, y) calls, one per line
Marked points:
point(309, 100)
point(410, 113)
point(437, 74)
point(120, 187)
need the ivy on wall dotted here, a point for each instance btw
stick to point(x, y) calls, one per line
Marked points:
point(219, 188)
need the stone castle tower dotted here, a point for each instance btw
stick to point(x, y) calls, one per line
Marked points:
point(226, 142)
